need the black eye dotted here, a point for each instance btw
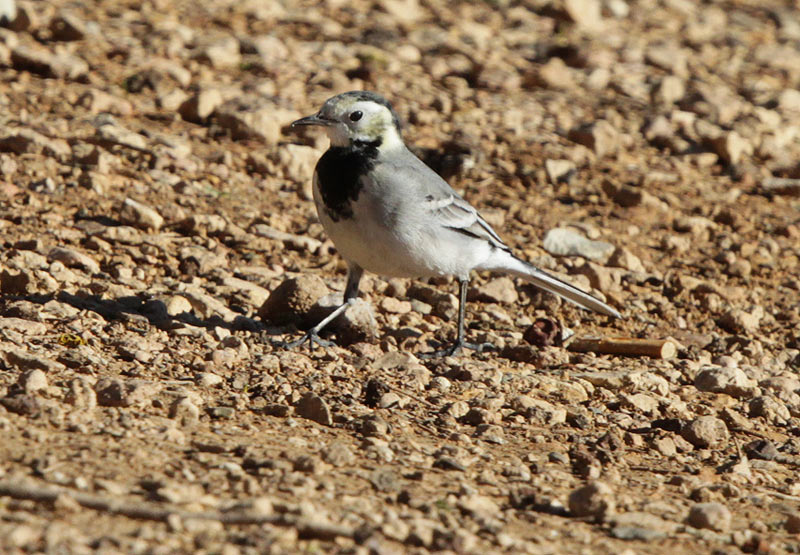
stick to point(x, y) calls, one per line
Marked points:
point(355, 116)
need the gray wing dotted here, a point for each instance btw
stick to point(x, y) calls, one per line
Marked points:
point(454, 212)
point(412, 179)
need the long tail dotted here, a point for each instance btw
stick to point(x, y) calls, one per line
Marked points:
point(542, 279)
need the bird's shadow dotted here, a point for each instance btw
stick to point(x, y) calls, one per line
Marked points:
point(133, 308)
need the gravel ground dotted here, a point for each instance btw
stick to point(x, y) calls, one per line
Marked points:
point(158, 236)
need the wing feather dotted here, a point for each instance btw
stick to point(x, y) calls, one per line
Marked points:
point(455, 213)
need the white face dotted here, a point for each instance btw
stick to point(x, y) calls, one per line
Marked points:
point(361, 120)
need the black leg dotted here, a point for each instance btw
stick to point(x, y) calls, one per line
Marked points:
point(460, 344)
point(354, 274)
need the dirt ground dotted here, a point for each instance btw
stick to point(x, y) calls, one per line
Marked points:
point(152, 197)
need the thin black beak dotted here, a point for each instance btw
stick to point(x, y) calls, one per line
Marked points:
point(311, 120)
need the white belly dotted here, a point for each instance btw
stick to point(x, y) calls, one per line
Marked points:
point(384, 242)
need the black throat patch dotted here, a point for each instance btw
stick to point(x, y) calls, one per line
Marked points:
point(339, 173)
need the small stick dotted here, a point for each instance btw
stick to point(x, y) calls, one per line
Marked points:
point(656, 348)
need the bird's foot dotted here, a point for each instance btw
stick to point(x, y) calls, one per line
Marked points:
point(310, 337)
point(457, 348)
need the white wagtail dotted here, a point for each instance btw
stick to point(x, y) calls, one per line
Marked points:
point(389, 213)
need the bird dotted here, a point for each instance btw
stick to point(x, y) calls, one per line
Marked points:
point(390, 214)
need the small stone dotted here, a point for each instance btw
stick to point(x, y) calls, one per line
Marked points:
point(8, 12)
point(600, 136)
point(712, 516)
point(666, 446)
point(24, 405)
point(559, 170)
point(595, 499)
point(292, 300)
point(479, 506)
point(586, 14)
point(600, 277)
point(178, 304)
point(222, 53)
point(338, 453)
point(20, 325)
point(793, 523)
point(185, 411)
point(737, 320)
point(731, 381)
point(140, 215)
point(564, 241)
point(81, 394)
point(769, 408)
point(356, 324)
point(199, 107)
point(221, 412)
point(623, 258)
point(554, 74)
point(74, 259)
point(670, 90)
point(373, 425)
point(209, 379)
point(732, 147)
point(24, 360)
point(640, 402)
point(97, 101)
point(497, 290)
point(395, 306)
point(115, 392)
point(37, 59)
point(706, 432)
point(313, 407)
point(67, 27)
point(33, 381)
point(254, 120)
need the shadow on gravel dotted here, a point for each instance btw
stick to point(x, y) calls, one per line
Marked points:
point(133, 309)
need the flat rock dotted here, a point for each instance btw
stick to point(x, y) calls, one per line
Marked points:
point(564, 241)
point(25, 360)
point(731, 381)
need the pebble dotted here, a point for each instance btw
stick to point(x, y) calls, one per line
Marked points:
point(706, 432)
point(25, 360)
point(81, 394)
point(596, 499)
point(712, 516)
point(338, 453)
point(116, 392)
point(737, 320)
point(313, 407)
point(33, 381)
point(559, 170)
point(292, 300)
point(74, 259)
point(185, 411)
point(497, 290)
point(140, 215)
point(600, 136)
point(731, 381)
point(199, 107)
point(793, 523)
point(564, 241)
point(395, 306)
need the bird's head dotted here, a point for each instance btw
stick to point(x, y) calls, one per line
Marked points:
point(358, 117)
